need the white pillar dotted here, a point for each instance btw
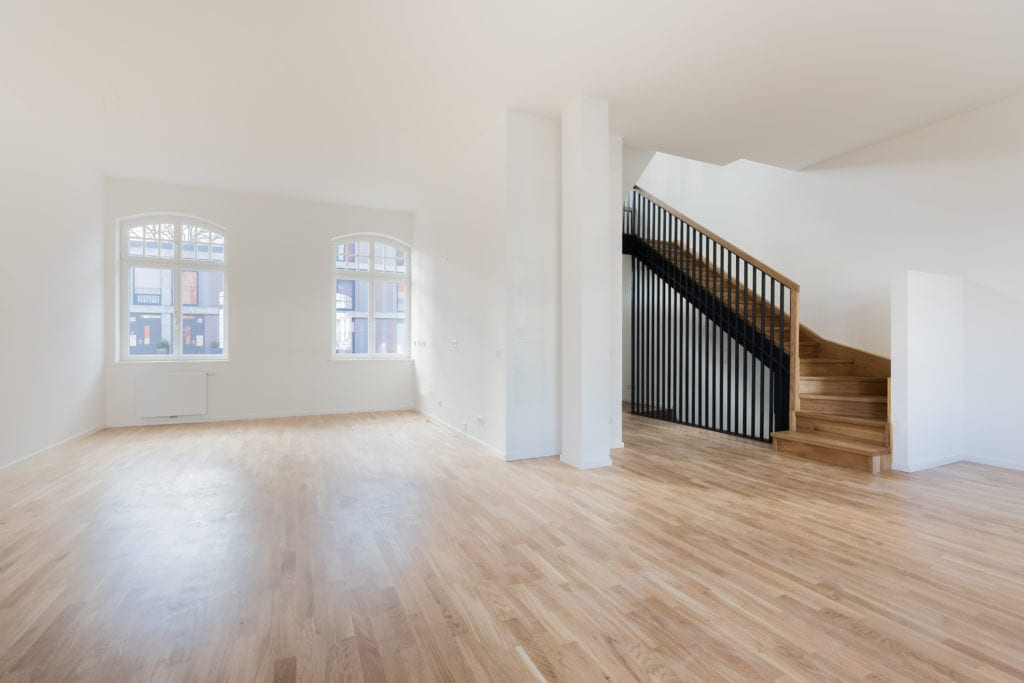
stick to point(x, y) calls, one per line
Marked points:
point(586, 284)
point(615, 287)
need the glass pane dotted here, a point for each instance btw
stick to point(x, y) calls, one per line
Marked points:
point(202, 312)
point(201, 244)
point(352, 307)
point(217, 248)
point(152, 244)
point(352, 296)
point(350, 333)
point(352, 256)
point(136, 235)
point(389, 297)
point(155, 240)
point(389, 258)
point(150, 311)
point(390, 335)
point(167, 240)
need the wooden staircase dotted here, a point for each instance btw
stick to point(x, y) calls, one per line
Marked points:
point(725, 287)
point(842, 414)
point(834, 407)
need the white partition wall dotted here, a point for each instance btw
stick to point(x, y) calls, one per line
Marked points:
point(533, 228)
point(586, 283)
point(928, 370)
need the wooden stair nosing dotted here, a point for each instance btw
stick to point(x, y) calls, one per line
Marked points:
point(865, 457)
point(847, 419)
point(824, 440)
point(858, 398)
point(874, 431)
point(846, 385)
point(827, 361)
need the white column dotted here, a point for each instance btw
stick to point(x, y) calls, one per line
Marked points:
point(586, 284)
point(615, 286)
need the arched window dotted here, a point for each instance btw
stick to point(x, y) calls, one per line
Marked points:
point(371, 297)
point(174, 285)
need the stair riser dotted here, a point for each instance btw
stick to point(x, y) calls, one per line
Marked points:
point(813, 368)
point(863, 433)
point(847, 387)
point(839, 407)
point(808, 350)
point(867, 463)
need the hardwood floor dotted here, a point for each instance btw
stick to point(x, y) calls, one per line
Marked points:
point(380, 547)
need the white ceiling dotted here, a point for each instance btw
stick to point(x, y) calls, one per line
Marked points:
point(357, 101)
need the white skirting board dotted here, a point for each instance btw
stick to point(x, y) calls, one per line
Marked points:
point(170, 394)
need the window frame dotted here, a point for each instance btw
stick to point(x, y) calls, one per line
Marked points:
point(177, 265)
point(371, 276)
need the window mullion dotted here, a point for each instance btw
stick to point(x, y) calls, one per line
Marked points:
point(176, 286)
point(371, 307)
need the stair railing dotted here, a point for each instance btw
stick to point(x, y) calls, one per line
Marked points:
point(715, 332)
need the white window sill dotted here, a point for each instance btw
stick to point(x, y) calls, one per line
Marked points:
point(171, 361)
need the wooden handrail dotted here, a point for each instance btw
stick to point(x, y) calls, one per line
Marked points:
point(724, 242)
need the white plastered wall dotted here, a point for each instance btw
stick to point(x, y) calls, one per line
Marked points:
point(280, 307)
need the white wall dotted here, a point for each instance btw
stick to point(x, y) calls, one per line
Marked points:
point(51, 299)
point(942, 199)
point(946, 199)
point(994, 325)
point(533, 194)
point(279, 306)
point(929, 391)
point(460, 279)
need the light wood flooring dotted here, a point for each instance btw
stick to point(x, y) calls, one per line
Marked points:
point(381, 547)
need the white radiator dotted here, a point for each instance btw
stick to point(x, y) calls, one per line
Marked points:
point(170, 394)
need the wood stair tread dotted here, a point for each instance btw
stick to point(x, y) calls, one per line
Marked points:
point(845, 378)
point(830, 441)
point(860, 398)
point(845, 419)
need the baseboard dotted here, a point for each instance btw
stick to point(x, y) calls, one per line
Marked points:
point(928, 464)
point(991, 462)
point(193, 419)
point(459, 432)
point(617, 446)
point(530, 455)
point(996, 462)
point(46, 449)
point(591, 465)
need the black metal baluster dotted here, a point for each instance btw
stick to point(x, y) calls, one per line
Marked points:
point(672, 318)
point(761, 401)
point(632, 325)
point(705, 246)
point(660, 316)
point(771, 376)
point(748, 426)
point(650, 317)
point(689, 325)
point(730, 421)
point(713, 290)
point(652, 308)
point(721, 338)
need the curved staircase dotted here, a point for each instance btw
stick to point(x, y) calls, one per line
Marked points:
point(704, 313)
point(842, 412)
